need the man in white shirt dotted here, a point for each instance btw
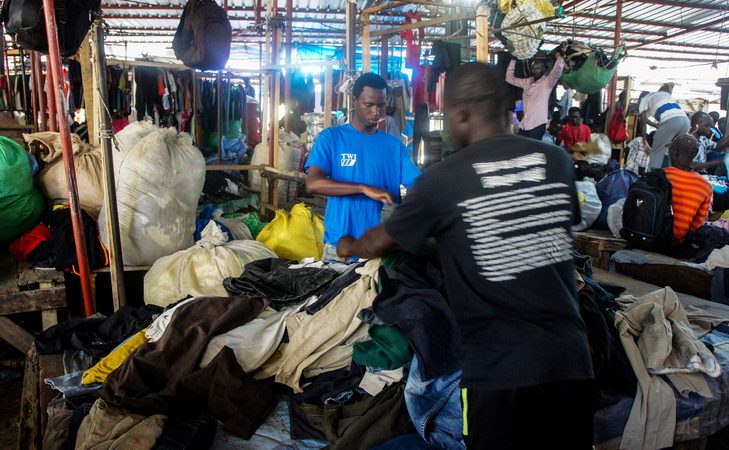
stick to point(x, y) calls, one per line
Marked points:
point(670, 121)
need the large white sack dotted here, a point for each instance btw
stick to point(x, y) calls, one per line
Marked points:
point(158, 185)
point(289, 158)
point(200, 270)
point(590, 208)
point(89, 165)
point(615, 217)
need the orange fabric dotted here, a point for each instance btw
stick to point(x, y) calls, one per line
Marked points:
point(691, 200)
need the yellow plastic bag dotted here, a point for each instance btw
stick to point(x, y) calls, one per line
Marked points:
point(113, 360)
point(295, 235)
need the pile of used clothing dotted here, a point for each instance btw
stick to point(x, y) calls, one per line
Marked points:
point(587, 68)
point(299, 355)
point(359, 355)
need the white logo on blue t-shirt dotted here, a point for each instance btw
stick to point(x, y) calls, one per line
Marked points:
point(349, 159)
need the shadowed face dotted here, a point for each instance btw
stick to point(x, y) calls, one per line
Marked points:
point(369, 107)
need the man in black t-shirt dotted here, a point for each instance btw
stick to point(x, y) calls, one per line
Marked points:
point(501, 211)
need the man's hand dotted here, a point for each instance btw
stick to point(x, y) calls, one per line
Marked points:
point(380, 195)
point(344, 247)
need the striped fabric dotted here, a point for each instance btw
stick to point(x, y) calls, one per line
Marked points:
point(691, 200)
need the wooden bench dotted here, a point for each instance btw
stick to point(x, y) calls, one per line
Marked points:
point(661, 270)
point(23, 290)
point(599, 244)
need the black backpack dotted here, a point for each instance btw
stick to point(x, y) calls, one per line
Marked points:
point(648, 213)
point(24, 20)
point(202, 40)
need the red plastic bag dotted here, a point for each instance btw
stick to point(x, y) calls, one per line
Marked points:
point(616, 130)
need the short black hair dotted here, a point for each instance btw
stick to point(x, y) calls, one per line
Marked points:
point(368, 80)
point(700, 115)
point(714, 115)
point(574, 109)
point(481, 86)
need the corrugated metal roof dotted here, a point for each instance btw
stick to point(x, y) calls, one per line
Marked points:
point(319, 21)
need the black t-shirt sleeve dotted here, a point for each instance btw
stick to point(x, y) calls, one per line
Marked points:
point(417, 217)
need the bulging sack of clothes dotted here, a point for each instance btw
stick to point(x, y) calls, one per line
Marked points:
point(20, 202)
point(589, 69)
point(88, 162)
point(203, 37)
point(590, 205)
point(295, 235)
point(612, 188)
point(158, 184)
point(25, 21)
point(523, 41)
point(200, 270)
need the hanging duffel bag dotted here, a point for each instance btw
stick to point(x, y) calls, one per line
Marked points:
point(25, 21)
point(202, 40)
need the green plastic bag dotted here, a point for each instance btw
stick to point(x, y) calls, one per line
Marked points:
point(21, 203)
point(590, 78)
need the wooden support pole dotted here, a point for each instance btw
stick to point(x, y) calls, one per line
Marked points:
point(328, 88)
point(612, 87)
point(219, 124)
point(482, 34)
point(116, 259)
point(91, 92)
point(366, 44)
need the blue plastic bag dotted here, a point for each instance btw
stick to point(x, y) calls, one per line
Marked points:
point(611, 189)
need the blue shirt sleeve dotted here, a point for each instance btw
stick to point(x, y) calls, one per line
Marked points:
point(409, 171)
point(321, 153)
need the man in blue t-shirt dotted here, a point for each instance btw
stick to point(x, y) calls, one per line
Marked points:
point(358, 167)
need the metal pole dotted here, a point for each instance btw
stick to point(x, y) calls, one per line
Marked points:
point(40, 88)
point(351, 36)
point(54, 65)
point(34, 97)
point(24, 91)
point(289, 50)
point(50, 91)
point(219, 100)
point(6, 73)
point(384, 54)
point(116, 262)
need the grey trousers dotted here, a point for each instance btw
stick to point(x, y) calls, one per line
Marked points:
point(667, 130)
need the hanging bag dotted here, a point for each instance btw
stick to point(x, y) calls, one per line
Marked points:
point(591, 76)
point(25, 21)
point(202, 40)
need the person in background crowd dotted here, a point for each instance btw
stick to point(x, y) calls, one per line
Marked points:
point(537, 90)
point(358, 167)
point(670, 121)
point(716, 132)
point(527, 371)
point(574, 131)
point(638, 151)
point(710, 153)
point(553, 131)
point(691, 193)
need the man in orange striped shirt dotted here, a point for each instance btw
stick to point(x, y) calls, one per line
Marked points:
point(691, 192)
